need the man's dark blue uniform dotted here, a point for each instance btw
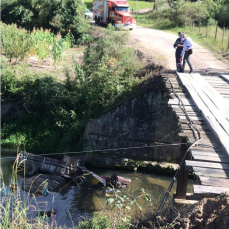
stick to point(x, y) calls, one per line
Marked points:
point(178, 53)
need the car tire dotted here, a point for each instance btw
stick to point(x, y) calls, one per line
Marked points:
point(31, 168)
point(98, 21)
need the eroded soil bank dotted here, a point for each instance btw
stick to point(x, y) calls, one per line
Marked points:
point(209, 213)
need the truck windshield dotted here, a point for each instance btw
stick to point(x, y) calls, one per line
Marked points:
point(122, 8)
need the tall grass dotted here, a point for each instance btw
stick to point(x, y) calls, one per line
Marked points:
point(138, 5)
point(14, 207)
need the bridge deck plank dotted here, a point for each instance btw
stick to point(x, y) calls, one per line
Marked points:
point(190, 164)
point(210, 158)
point(214, 119)
point(209, 190)
point(212, 181)
point(206, 104)
point(209, 172)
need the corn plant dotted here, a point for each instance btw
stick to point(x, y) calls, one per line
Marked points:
point(57, 49)
point(43, 41)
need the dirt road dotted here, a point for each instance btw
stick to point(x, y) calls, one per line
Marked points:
point(158, 47)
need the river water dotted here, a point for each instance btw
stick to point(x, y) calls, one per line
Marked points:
point(74, 202)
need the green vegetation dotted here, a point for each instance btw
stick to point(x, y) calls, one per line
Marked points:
point(15, 42)
point(121, 219)
point(138, 5)
point(49, 115)
point(58, 16)
point(19, 43)
point(53, 113)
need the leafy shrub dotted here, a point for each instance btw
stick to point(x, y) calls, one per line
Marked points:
point(84, 39)
point(108, 70)
point(16, 43)
point(97, 222)
point(212, 21)
point(69, 40)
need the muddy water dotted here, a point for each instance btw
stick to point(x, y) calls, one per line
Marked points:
point(74, 202)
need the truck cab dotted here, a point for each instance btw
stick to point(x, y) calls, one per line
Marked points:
point(116, 12)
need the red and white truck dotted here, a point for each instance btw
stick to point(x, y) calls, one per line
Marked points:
point(116, 12)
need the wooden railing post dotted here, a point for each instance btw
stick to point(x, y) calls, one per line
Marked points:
point(182, 178)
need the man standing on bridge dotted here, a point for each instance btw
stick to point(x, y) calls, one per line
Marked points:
point(178, 45)
point(187, 51)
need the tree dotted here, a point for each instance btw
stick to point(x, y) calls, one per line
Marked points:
point(57, 15)
point(70, 16)
point(196, 12)
point(175, 13)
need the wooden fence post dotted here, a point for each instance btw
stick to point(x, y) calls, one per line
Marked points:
point(207, 30)
point(199, 27)
point(223, 34)
point(228, 42)
point(182, 178)
point(216, 30)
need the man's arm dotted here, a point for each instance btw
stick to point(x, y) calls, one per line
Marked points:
point(176, 43)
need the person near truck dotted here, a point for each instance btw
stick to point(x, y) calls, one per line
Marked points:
point(178, 45)
point(187, 51)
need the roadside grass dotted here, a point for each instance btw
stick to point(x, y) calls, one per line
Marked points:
point(138, 5)
point(218, 46)
point(134, 5)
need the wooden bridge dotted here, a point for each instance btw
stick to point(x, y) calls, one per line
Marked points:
point(201, 104)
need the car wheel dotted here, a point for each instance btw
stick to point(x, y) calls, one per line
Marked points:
point(98, 21)
point(31, 168)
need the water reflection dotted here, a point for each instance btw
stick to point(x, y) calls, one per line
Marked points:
point(77, 201)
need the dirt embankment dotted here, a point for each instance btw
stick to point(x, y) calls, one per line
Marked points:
point(209, 213)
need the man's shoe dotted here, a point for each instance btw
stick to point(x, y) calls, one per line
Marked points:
point(191, 71)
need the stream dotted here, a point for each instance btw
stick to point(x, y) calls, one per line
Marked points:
point(74, 202)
